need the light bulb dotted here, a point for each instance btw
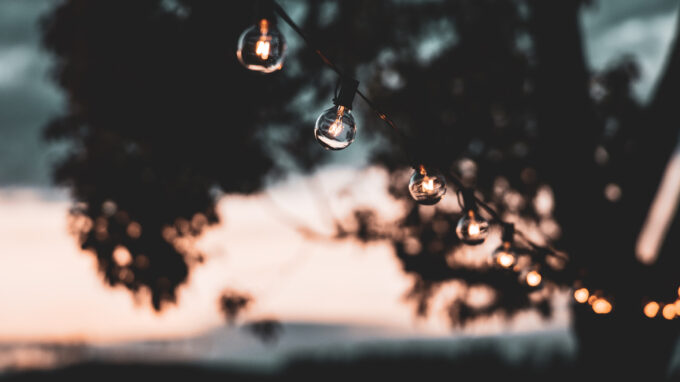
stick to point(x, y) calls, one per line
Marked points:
point(668, 311)
point(504, 256)
point(601, 306)
point(651, 309)
point(581, 295)
point(531, 276)
point(335, 128)
point(472, 229)
point(427, 188)
point(261, 47)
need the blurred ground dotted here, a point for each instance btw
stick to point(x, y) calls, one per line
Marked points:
point(237, 349)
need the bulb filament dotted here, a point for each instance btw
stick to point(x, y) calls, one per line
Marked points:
point(336, 127)
point(473, 229)
point(262, 48)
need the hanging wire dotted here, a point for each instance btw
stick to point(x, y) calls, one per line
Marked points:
point(284, 15)
point(457, 182)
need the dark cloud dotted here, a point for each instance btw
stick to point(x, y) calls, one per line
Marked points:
point(28, 99)
point(19, 19)
point(643, 29)
point(603, 14)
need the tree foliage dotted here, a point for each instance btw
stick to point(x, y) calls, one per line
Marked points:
point(163, 120)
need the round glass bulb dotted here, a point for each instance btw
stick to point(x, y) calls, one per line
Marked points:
point(504, 256)
point(335, 128)
point(651, 309)
point(581, 295)
point(427, 188)
point(531, 276)
point(261, 47)
point(472, 229)
point(602, 306)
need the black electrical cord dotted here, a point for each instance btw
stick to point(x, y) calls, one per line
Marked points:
point(495, 217)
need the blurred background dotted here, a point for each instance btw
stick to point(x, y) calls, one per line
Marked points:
point(164, 207)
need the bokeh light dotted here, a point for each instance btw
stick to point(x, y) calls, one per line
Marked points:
point(651, 309)
point(581, 295)
point(602, 306)
point(534, 278)
point(668, 311)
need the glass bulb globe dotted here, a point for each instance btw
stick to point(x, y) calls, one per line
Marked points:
point(335, 128)
point(581, 295)
point(504, 256)
point(531, 276)
point(261, 47)
point(427, 188)
point(472, 229)
point(651, 309)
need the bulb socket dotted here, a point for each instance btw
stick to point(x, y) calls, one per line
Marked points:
point(508, 233)
point(348, 88)
point(469, 203)
point(264, 9)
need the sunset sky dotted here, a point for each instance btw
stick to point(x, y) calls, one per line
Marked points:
point(54, 293)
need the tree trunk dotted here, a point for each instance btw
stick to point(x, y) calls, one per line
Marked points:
point(600, 236)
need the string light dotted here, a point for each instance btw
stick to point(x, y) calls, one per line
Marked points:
point(427, 188)
point(505, 255)
point(651, 309)
point(581, 295)
point(668, 311)
point(472, 229)
point(335, 128)
point(602, 306)
point(262, 47)
point(531, 276)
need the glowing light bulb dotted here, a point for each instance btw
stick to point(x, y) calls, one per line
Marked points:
point(504, 256)
point(472, 229)
point(427, 188)
point(335, 128)
point(651, 309)
point(581, 295)
point(601, 306)
point(261, 47)
point(668, 311)
point(506, 260)
point(533, 278)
